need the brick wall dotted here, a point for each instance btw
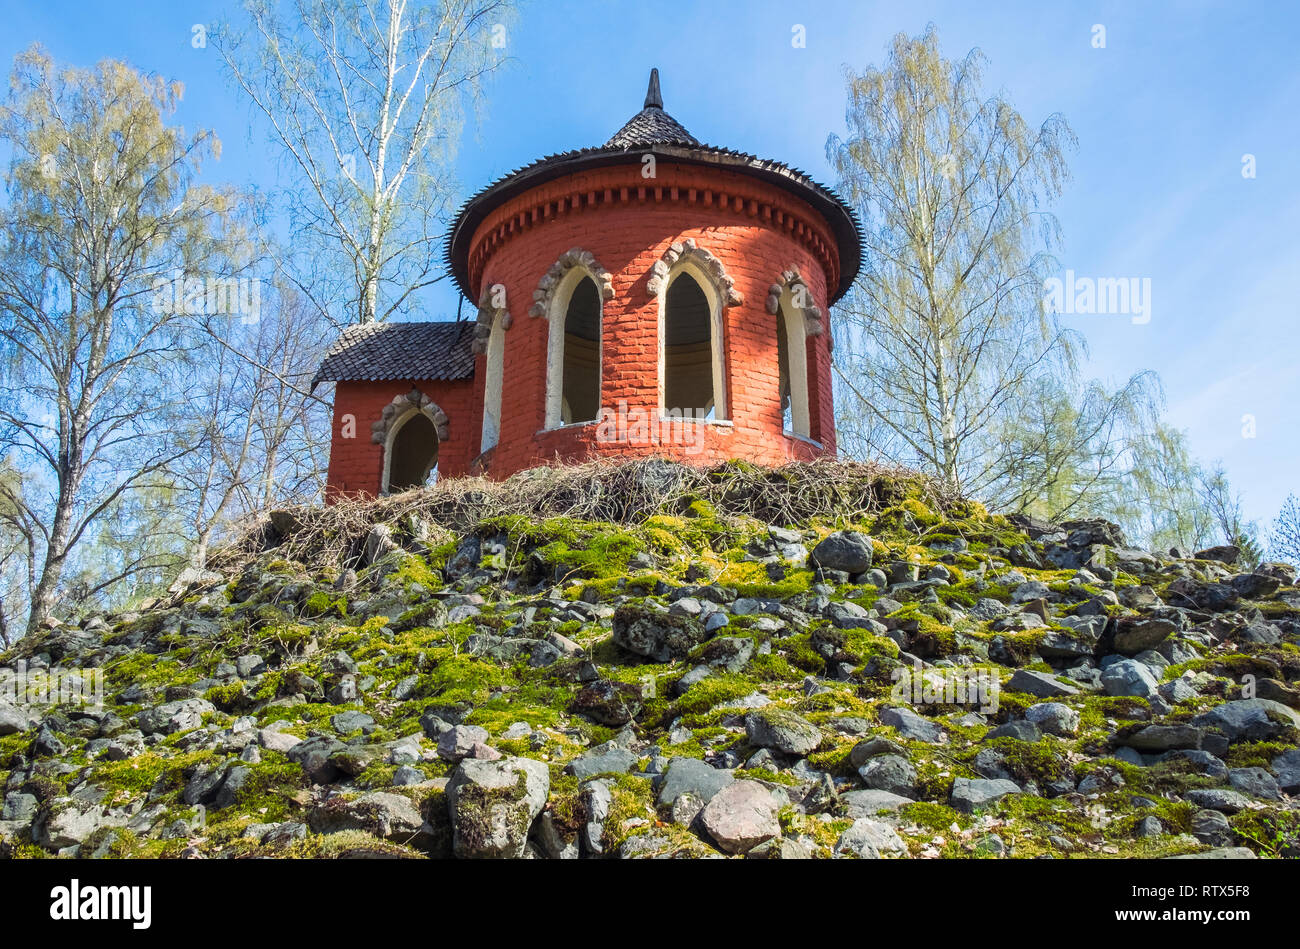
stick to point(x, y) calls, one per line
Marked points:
point(628, 222)
point(357, 464)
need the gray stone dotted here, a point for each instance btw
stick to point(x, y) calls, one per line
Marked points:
point(1042, 684)
point(1150, 826)
point(913, 726)
point(869, 839)
point(849, 551)
point(456, 743)
point(691, 775)
point(273, 739)
point(1019, 729)
point(1054, 718)
point(1219, 799)
point(1211, 827)
point(1249, 719)
point(1177, 691)
point(1128, 677)
point(1165, 737)
point(313, 756)
point(13, 719)
point(382, 813)
point(782, 731)
point(172, 717)
point(347, 722)
point(1137, 634)
point(728, 653)
point(1256, 782)
point(1287, 768)
point(494, 803)
point(608, 703)
point(662, 637)
point(871, 802)
point(19, 807)
point(892, 773)
point(69, 823)
point(863, 751)
point(741, 816)
point(602, 760)
point(970, 794)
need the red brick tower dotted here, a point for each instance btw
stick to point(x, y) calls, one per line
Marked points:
point(649, 296)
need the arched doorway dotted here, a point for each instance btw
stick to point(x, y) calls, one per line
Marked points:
point(412, 453)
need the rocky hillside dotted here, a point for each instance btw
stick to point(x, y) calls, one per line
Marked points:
point(650, 660)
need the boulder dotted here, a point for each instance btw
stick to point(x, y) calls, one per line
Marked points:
point(1134, 634)
point(742, 815)
point(970, 794)
point(661, 637)
point(849, 551)
point(691, 776)
point(782, 731)
point(494, 803)
point(869, 839)
point(1129, 677)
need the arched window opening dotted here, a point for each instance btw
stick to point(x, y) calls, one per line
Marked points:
point(692, 352)
point(792, 358)
point(579, 357)
point(412, 454)
point(492, 383)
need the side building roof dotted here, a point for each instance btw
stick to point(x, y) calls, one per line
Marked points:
point(377, 352)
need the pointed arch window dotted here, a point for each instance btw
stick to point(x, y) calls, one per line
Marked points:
point(691, 348)
point(574, 352)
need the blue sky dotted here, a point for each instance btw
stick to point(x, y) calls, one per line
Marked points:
point(1164, 114)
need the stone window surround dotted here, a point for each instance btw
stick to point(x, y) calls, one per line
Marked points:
point(394, 417)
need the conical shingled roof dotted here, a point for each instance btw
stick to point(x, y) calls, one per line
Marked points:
point(652, 125)
point(652, 130)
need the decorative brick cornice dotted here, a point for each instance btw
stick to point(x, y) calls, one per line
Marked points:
point(618, 188)
point(398, 408)
point(576, 257)
point(689, 250)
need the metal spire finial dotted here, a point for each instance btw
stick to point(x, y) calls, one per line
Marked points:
point(653, 99)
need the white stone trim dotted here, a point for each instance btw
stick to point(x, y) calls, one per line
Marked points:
point(490, 316)
point(493, 383)
point(691, 264)
point(558, 272)
point(708, 266)
point(791, 321)
point(406, 408)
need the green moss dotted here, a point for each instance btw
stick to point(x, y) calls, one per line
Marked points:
point(711, 692)
point(938, 818)
point(321, 603)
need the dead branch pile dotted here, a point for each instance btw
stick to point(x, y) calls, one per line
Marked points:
point(622, 492)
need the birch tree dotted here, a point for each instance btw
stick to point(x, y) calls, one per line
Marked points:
point(944, 329)
point(366, 99)
point(102, 205)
